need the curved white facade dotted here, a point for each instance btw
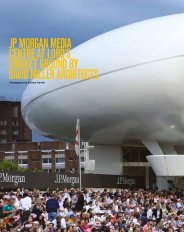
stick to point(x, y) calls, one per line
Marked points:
point(139, 93)
point(167, 165)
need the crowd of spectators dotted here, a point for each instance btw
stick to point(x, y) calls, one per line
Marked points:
point(91, 211)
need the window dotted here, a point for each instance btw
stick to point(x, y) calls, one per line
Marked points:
point(135, 154)
point(10, 160)
point(3, 122)
point(15, 132)
point(47, 170)
point(3, 132)
point(60, 152)
point(23, 161)
point(46, 152)
point(60, 160)
point(60, 170)
point(15, 111)
point(84, 145)
point(15, 123)
point(9, 154)
point(23, 152)
point(82, 159)
point(46, 160)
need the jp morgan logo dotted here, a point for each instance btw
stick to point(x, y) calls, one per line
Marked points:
point(124, 180)
point(15, 179)
point(64, 179)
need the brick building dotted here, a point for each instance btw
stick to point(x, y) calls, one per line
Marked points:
point(12, 126)
point(45, 156)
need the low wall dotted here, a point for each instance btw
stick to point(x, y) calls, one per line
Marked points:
point(68, 180)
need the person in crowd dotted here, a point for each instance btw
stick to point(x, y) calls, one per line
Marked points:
point(50, 227)
point(36, 227)
point(52, 207)
point(157, 213)
point(80, 202)
point(74, 199)
point(8, 211)
point(29, 221)
point(38, 209)
point(25, 204)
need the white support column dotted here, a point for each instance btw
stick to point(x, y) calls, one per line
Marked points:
point(153, 147)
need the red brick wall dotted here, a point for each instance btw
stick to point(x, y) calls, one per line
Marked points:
point(7, 114)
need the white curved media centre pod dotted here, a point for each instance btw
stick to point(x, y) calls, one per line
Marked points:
point(138, 96)
point(167, 165)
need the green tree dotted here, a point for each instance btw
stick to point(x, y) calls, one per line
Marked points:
point(7, 165)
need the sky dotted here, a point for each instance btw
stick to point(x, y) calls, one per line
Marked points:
point(78, 19)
